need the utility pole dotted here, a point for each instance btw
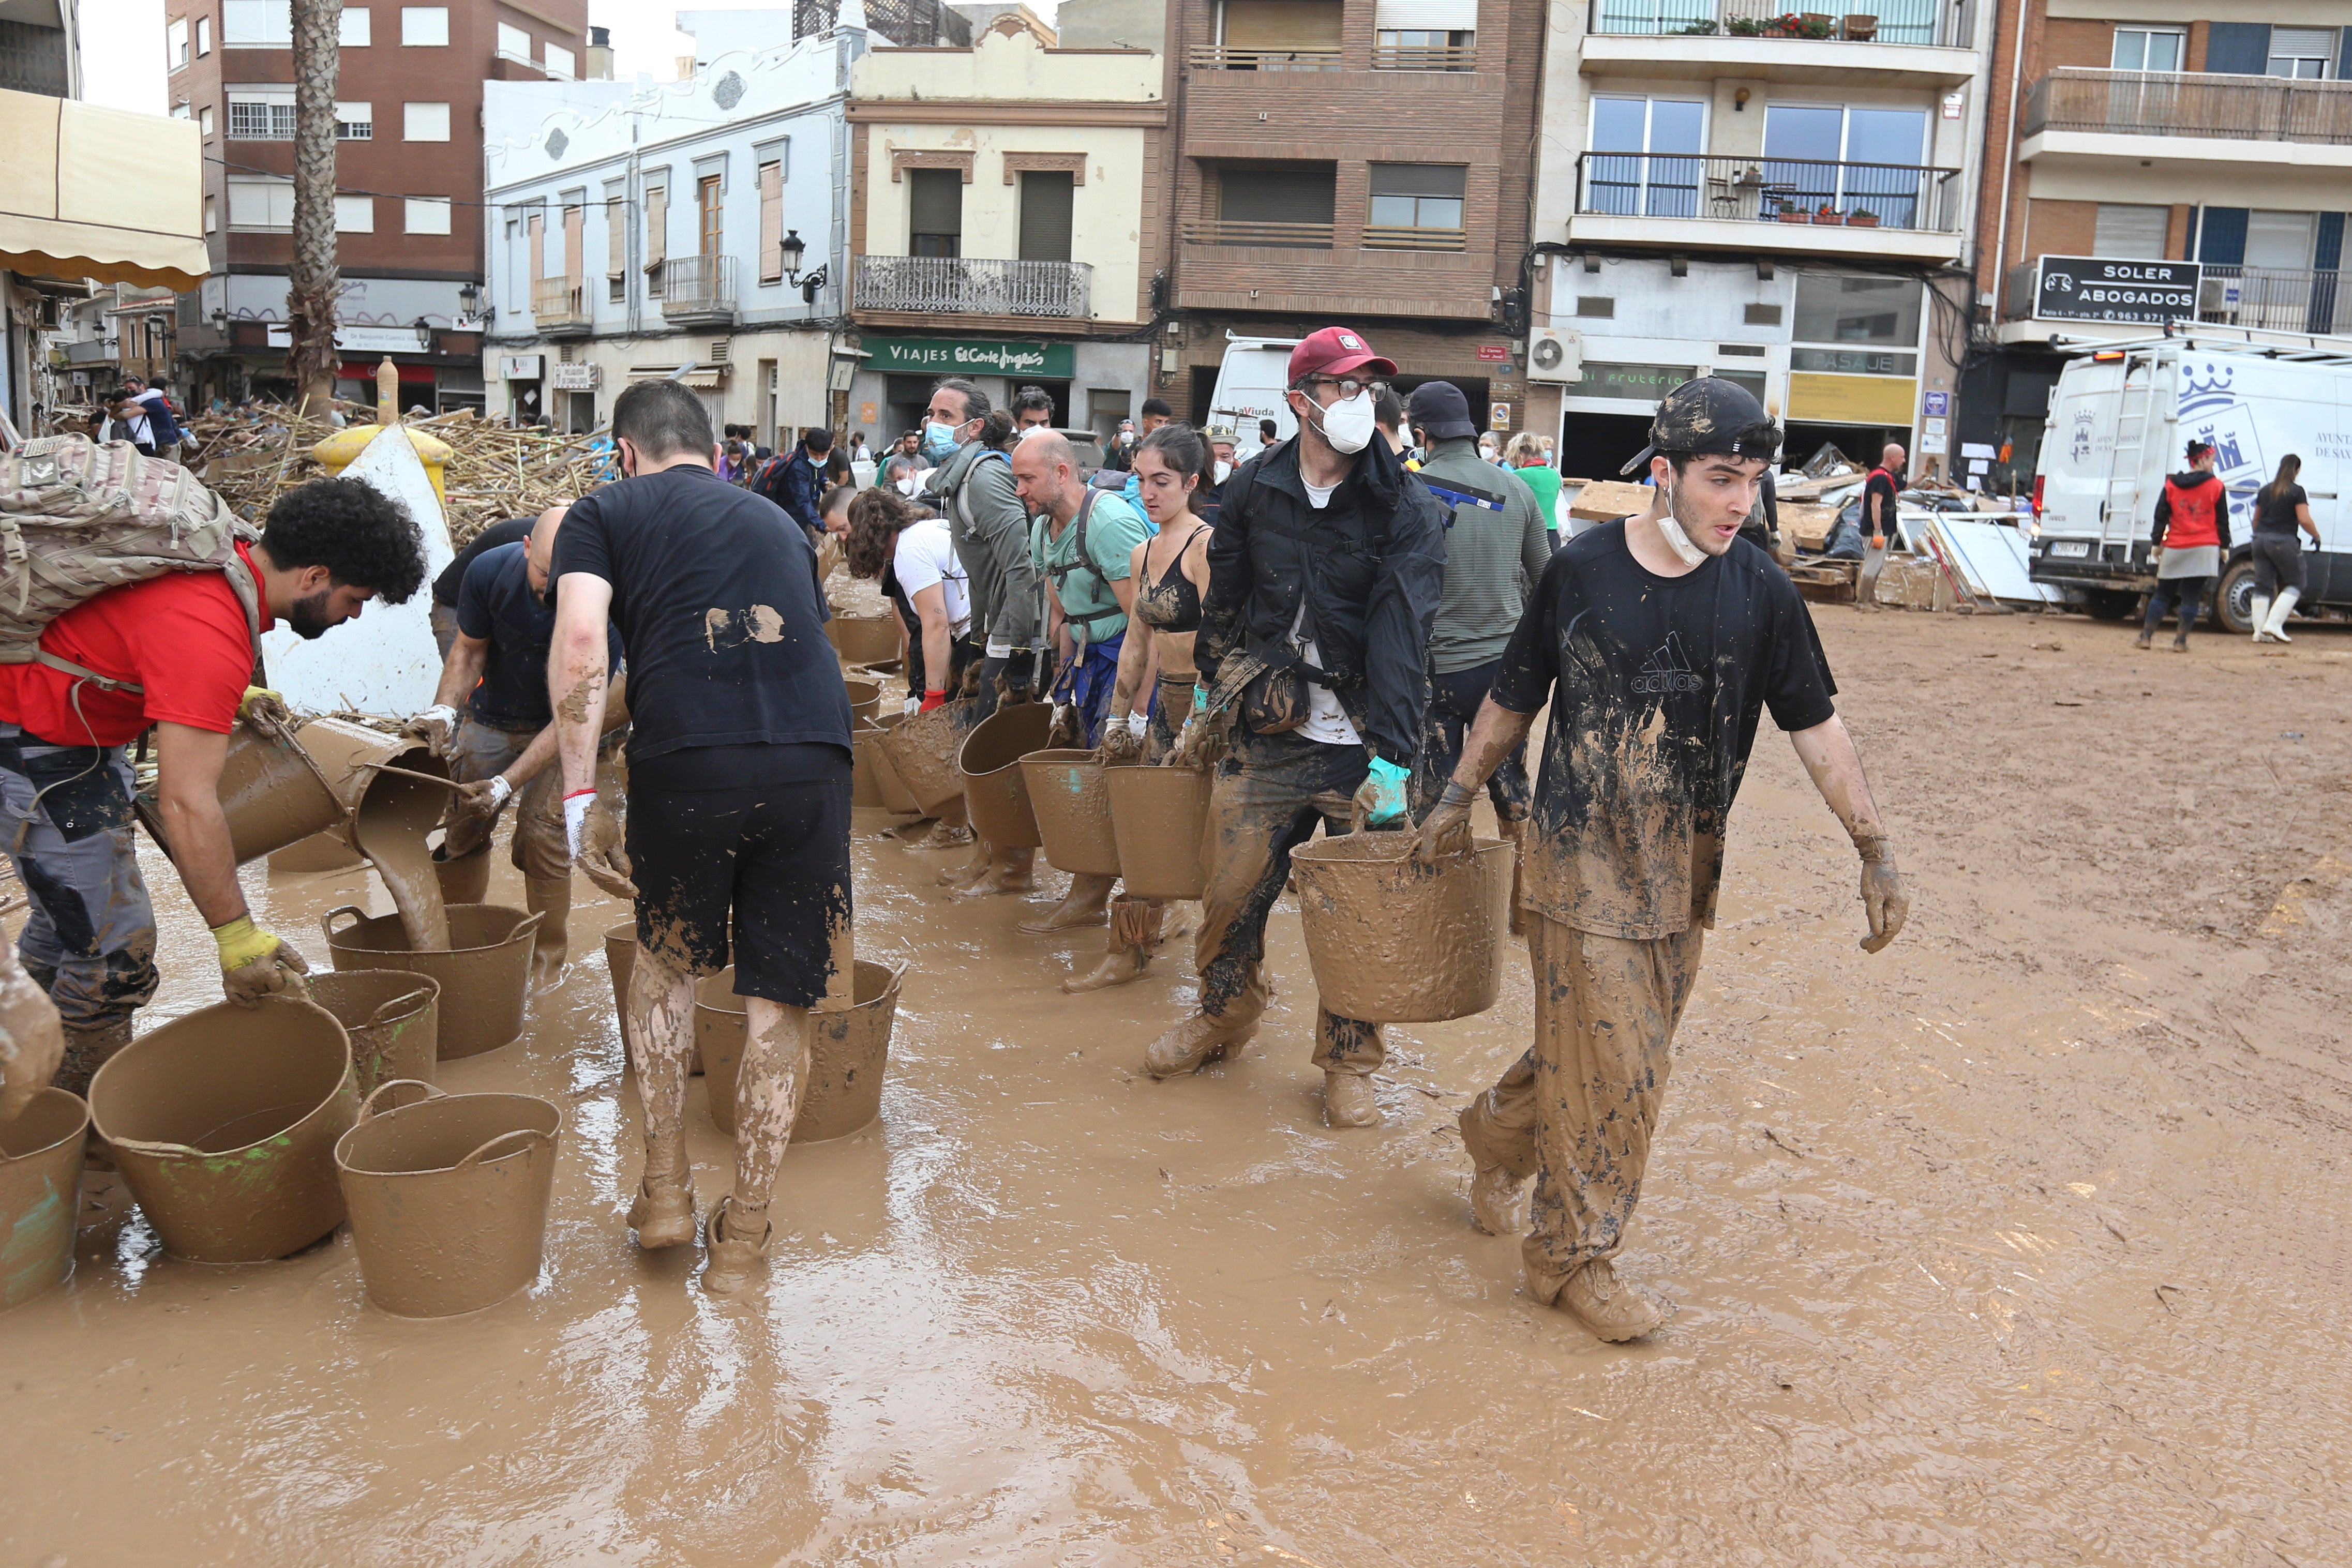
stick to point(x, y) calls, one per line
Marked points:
point(314, 280)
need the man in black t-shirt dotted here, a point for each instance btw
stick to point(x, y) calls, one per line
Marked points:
point(1658, 641)
point(1879, 493)
point(446, 587)
point(739, 791)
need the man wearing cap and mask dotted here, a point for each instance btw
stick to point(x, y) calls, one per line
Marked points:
point(1324, 572)
point(1494, 534)
point(1659, 640)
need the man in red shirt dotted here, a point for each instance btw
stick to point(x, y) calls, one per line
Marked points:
point(176, 653)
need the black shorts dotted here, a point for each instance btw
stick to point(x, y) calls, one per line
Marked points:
point(2278, 563)
point(755, 836)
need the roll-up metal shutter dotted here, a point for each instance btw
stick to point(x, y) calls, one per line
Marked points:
point(1046, 203)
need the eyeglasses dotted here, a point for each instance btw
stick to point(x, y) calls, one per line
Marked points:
point(1348, 385)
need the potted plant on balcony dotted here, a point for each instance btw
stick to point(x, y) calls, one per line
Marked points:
point(1809, 25)
point(1862, 218)
point(1744, 27)
point(1792, 214)
point(1702, 29)
point(1828, 213)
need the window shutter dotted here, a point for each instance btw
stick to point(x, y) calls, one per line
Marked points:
point(1281, 25)
point(2221, 239)
point(1426, 15)
point(2130, 233)
point(934, 199)
point(537, 224)
point(657, 225)
point(1046, 203)
point(1419, 180)
point(574, 222)
point(617, 233)
point(771, 223)
point(2239, 48)
point(1275, 196)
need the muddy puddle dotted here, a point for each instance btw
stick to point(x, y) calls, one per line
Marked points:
point(2021, 1243)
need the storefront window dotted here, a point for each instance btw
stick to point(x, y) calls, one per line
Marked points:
point(1834, 308)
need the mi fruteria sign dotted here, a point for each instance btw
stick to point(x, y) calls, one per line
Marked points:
point(969, 357)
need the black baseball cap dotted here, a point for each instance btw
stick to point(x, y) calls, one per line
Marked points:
point(1712, 415)
point(1439, 409)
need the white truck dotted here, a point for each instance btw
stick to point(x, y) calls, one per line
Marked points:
point(2120, 419)
point(1251, 381)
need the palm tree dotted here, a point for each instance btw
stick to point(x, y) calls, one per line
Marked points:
point(314, 280)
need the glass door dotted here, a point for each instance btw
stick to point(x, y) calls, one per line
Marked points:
point(1647, 157)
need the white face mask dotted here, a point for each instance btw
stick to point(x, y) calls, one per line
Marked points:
point(1671, 530)
point(1224, 470)
point(1347, 424)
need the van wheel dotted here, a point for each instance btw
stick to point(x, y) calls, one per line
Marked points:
point(2109, 605)
point(2233, 602)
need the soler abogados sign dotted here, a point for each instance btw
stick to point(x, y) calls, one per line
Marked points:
point(2086, 288)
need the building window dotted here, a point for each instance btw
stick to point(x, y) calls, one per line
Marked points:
point(180, 110)
point(1416, 207)
point(771, 223)
point(424, 122)
point(514, 43)
point(2302, 54)
point(261, 203)
point(559, 62)
point(422, 26)
point(1047, 197)
point(212, 214)
point(205, 118)
point(1848, 159)
point(1839, 308)
point(2150, 49)
point(257, 23)
point(709, 214)
point(1280, 35)
point(2130, 232)
point(254, 119)
point(355, 214)
point(1424, 49)
point(616, 241)
point(355, 123)
point(204, 37)
point(656, 237)
point(934, 211)
point(1644, 162)
point(175, 44)
point(354, 33)
point(1276, 206)
point(2279, 240)
point(425, 215)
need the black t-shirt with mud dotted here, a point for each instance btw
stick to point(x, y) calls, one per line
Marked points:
point(1655, 684)
point(715, 592)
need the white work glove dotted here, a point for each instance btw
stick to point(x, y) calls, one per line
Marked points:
point(483, 797)
point(914, 705)
point(576, 805)
point(433, 728)
point(595, 837)
point(1137, 723)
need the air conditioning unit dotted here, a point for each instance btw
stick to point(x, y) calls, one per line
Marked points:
point(1555, 354)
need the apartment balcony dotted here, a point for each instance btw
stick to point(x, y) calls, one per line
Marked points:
point(1357, 97)
point(559, 307)
point(1326, 269)
point(1217, 58)
point(1893, 211)
point(928, 285)
point(90, 352)
point(698, 290)
point(2078, 114)
point(1279, 236)
point(2267, 298)
point(1896, 43)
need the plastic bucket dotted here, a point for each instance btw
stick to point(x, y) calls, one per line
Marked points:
point(1073, 807)
point(896, 796)
point(1159, 817)
point(864, 698)
point(923, 749)
point(1391, 942)
point(224, 1125)
point(343, 751)
point(40, 1194)
point(995, 790)
point(448, 1198)
point(848, 1050)
point(273, 794)
point(393, 1017)
point(864, 639)
point(485, 974)
point(865, 775)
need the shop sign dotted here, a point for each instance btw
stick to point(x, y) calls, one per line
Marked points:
point(1854, 361)
point(1938, 406)
point(1494, 353)
point(1852, 400)
point(1635, 384)
point(2083, 288)
point(519, 367)
point(954, 357)
point(359, 339)
point(576, 378)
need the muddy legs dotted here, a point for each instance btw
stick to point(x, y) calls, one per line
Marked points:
point(1135, 928)
point(768, 1088)
point(661, 1040)
point(1087, 904)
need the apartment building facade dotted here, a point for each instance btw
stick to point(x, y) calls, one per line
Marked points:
point(1780, 198)
point(2154, 170)
point(1363, 164)
point(690, 229)
point(409, 177)
point(1005, 223)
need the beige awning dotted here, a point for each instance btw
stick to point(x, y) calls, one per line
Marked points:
point(91, 191)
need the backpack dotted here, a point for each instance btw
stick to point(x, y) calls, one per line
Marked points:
point(78, 519)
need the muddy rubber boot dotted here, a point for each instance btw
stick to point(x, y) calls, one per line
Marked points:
point(1515, 834)
point(1134, 933)
point(1087, 904)
point(971, 870)
point(663, 1211)
point(1498, 1201)
point(1613, 1310)
point(464, 880)
point(1349, 1100)
point(1007, 870)
point(945, 836)
point(1194, 1043)
point(732, 1259)
point(2274, 624)
point(550, 898)
point(86, 1051)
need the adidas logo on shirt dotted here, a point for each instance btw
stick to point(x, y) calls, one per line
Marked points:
point(1667, 672)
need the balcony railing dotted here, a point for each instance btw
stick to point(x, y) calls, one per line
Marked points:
point(697, 288)
point(1293, 237)
point(1426, 57)
point(2276, 298)
point(1379, 236)
point(1217, 58)
point(2190, 103)
point(559, 302)
point(1768, 190)
point(957, 285)
point(1888, 22)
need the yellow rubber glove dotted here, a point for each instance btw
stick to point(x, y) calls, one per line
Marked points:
point(261, 703)
point(256, 963)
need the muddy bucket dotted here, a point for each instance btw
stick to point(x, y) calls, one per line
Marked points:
point(448, 1198)
point(274, 795)
point(873, 757)
point(923, 750)
point(393, 1017)
point(40, 1194)
point(848, 1052)
point(485, 976)
point(865, 769)
point(1159, 817)
point(1391, 942)
point(864, 639)
point(995, 790)
point(1073, 806)
point(224, 1125)
point(864, 698)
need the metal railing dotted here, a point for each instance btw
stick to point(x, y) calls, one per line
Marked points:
point(1217, 58)
point(1384, 236)
point(1426, 57)
point(557, 302)
point(1293, 237)
point(2190, 103)
point(698, 286)
point(956, 286)
point(2278, 298)
point(1886, 22)
point(1768, 190)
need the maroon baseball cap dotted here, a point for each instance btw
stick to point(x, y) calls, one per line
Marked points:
point(1335, 351)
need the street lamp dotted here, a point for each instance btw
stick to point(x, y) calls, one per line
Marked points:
point(469, 295)
point(793, 249)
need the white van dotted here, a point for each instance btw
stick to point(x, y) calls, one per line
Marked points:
point(2120, 420)
point(1250, 386)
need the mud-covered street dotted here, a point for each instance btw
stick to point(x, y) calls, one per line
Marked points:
point(2022, 1242)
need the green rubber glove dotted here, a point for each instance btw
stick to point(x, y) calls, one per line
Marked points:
point(1382, 794)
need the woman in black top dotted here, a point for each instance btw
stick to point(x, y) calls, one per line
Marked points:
point(2281, 507)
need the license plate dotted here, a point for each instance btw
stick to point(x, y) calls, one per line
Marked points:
point(2072, 549)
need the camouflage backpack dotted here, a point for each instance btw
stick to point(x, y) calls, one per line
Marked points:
point(78, 519)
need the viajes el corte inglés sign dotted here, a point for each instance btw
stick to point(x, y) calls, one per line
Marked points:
point(968, 356)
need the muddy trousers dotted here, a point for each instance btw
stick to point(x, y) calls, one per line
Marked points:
point(90, 938)
point(1578, 1110)
point(1454, 703)
point(1265, 805)
point(540, 851)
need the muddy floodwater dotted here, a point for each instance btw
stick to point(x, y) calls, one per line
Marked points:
point(2022, 1243)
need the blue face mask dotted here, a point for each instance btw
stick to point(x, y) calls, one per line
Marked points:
point(940, 441)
